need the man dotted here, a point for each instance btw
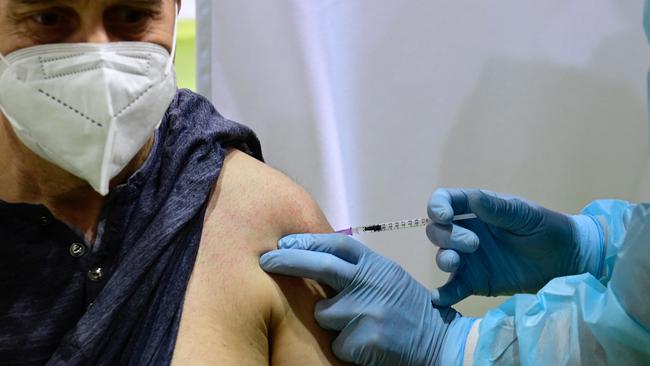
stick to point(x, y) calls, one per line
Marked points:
point(591, 273)
point(124, 239)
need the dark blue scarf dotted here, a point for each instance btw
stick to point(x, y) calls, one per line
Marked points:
point(147, 243)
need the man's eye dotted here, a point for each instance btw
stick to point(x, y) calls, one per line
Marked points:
point(134, 16)
point(127, 17)
point(50, 25)
point(48, 19)
point(129, 23)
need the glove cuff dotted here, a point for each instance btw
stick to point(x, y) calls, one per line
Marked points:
point(453, 348)
point(590, 239)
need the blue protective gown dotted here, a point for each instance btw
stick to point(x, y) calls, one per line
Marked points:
point(582, 319)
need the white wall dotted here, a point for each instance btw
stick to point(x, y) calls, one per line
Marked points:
point(372, 104)
point(188, 9)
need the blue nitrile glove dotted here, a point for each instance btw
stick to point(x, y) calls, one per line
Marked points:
point(515, 246)
point(384, 315)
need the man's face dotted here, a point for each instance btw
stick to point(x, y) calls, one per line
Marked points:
point(25, 23)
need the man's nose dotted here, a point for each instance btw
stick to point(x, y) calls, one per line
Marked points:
point(92, 33)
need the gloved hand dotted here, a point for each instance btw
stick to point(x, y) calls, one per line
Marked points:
point(514, 246)
point(384, 315)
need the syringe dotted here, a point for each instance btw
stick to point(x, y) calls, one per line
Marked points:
point(398, 225)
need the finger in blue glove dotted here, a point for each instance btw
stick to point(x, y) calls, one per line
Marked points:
point(385, 317)
point(521, 245)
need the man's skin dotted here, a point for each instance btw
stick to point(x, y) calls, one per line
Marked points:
point(234, 313)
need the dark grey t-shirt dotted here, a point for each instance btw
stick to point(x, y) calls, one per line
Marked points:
point(119, 302)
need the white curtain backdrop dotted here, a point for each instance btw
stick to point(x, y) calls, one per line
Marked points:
point(372, 104)
point(188, 9)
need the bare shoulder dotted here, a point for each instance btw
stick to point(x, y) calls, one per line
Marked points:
point(234, 313)
point(253, 191)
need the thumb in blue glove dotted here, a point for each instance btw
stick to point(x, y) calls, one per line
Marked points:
point(514, 246)
point(384, 316)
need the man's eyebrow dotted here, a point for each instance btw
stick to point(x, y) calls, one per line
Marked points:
point(155, 3)
point(35, 2)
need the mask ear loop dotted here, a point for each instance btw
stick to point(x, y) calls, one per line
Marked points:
point(6, 62)
point(170, 63)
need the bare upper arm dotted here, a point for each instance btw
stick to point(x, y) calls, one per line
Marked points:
point(234, 312)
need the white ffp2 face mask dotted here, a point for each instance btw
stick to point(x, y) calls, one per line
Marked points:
point(87, 108)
